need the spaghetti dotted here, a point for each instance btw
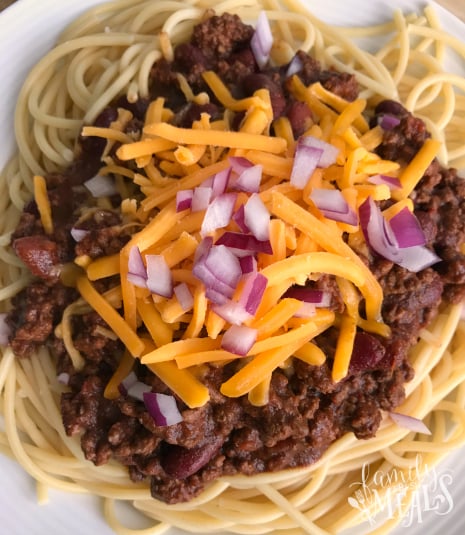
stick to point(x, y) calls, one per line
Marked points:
point(110, 51)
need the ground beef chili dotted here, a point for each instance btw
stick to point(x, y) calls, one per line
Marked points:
point(307, 411)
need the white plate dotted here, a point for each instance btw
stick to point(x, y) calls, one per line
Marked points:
point(27, 30)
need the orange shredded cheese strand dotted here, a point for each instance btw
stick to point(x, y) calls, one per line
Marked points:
point(180, 347)
point(276, 317)
point(107, 133)
point(43, 203)
point(344, 347)
point(229, 139)
point(414, 171)
point(118, 325)
point(263, 364)
point(183, 383)
point(311, 354)
point(103, 267)
point(122, 371)
point(136, 149)
point(160, 332)
point(295, 215)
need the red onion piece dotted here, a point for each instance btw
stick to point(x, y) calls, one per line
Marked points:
point(245, 242)
point(137, 273)
point(257, 217)
point(184, 296)
point(101, 186)
point(159, 280)
point(184, 199)
point(307, 310)
point(135, 262)
point(294, 66)
point(262, 40)
point(239, 164)
point(162, 408)
point(387, 121)
point(239, 339)
point(201, 198)
point(239, 218)
point(220, 182)
point(329, 154)
point(248, 264)
point(78, 234)
point(219, 270)
point(407, 229)
point(216, 297)
point(318, 298)
point(5, 330)
point(391, 181)
point(249, 180)
point(232, 311)
point(381, 238)
point(252, 293)
point(127, 382)
point(137, 390)
point(333, 205)
point(410, 423)
point(306, 160)
point(219, 213)
point(203, 248)
point(63, 378)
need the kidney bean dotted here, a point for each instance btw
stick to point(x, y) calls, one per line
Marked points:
point(180, 463)
point(39, 254)
point(390, 106)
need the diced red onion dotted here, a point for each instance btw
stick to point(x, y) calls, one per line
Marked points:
point(239, 218)
point(232, 311)
point(239, 339)
point(184, 296)
point(252, 293)
point(135, 262)
point(159, 279)
point(333, 205)
point(407, 229)
point(306, 160)
point(248, 264)
point(239, 164)
point(203, 248)
point(63, 378)
point(219, 213)
point(136, 280)
point(137, 273)
point(410, 423)
point(162, 408)
point(318, 298)
point(381, 239)
point(101, 186)
point(391, 181)
point(184, 199)
point(138, 389)
point(5, 330)
point(417, 258)
point(329, 154)
point(257, 217)
point(216, 297)
point(307, 310)
point(219, 270)
point(387, 121)
point(245, 242)
point(127, 382)
point(249, 180)
point(201, 198)
point(78, 234)
point(294, 66)
point(262, 40)
point(220, 182)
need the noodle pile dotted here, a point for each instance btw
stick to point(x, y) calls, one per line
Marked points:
point(110, 51)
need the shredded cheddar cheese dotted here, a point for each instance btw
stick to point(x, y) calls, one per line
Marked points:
point(43, 203)
point(177, 341)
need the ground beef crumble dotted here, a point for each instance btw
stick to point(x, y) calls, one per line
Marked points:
point(307, 411)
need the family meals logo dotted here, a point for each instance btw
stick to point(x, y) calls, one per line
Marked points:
point(387, 495)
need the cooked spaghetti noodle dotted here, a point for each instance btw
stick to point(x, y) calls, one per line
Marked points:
point(110, 51)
